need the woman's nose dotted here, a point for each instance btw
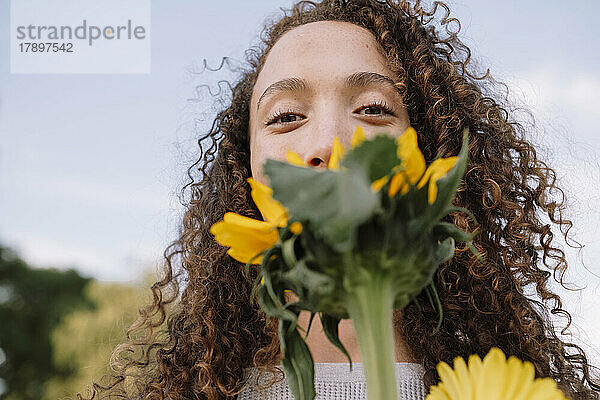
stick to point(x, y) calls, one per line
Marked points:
point(319, 156)
point(321, 142)
point(316, 162)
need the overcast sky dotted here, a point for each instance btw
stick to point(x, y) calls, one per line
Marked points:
point(91, 165)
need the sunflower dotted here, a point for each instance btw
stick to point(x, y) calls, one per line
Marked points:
point(246, 237)
point(494, 378)
point(337, 151)
point(412, 169)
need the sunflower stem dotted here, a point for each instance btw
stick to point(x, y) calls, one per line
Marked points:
point(371, 307)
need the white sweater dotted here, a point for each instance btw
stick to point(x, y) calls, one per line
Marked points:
point(335, 381)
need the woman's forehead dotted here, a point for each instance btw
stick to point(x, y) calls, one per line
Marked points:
point(323, 53)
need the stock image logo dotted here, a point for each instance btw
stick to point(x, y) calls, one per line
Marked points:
point(50, 40)
point(85, 32)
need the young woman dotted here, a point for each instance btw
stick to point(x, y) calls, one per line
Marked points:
point(322, 70)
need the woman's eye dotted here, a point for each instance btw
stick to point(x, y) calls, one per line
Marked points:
point(287, 118)
point(373, 110)
point(282, 118)
point(377, 109)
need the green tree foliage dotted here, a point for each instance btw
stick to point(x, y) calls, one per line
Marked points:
point(85, 339)
point(32, 304)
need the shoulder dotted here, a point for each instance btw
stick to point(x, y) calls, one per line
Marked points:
point(334, 381)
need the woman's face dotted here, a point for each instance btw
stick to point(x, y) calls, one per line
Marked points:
point(321, 80)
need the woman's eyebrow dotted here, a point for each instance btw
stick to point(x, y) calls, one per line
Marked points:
point(364, 79)
point(357, 79)
point(284, 85)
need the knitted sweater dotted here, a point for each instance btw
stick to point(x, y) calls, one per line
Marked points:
point(335, 381)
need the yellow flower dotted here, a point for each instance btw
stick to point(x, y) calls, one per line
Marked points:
point(435, 171)
point(413, 163)
point(413, 168)
point(494, 378)
point(357, 137)
point(296, 228)
point(247, 237)
point(337, 153)
point(378, 183)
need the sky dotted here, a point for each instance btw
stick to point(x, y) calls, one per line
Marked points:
point(91, 165)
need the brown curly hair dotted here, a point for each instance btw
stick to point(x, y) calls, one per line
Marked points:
point(195, 343)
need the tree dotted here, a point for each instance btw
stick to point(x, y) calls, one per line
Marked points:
point(85, 339)
point(32, 303)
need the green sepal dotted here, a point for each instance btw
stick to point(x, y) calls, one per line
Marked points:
point(443, 252)
point(272, 302)
point(307, 283)
point(375, 157)
point(475, 251)
point(287, 251)
point(452, 209)
point(345, 199)
point(447, 186)
point(444, 229)
point(271, 307)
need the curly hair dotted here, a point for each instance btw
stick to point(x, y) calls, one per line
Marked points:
point(196, 342)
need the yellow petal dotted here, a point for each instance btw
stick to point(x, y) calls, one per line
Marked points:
point(295, 159)
point(450, 380)
point(378, 183)
point(466, 386)
point(494, 378)
point(545, 389)
point(245, 236)
point(491, 383)
point(296, 228)
point(475, 367)
point(519, 379)
point(358, 136)
point(438, 393)
point(237, 220)
point(245, 255)
point(435, 171)
point(408, 151)
point(271, 209)
point(398, 183)
point(337, 153)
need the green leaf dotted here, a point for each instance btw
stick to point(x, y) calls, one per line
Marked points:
point(297, 362)
point(310, 321)
point(344, 196)
point(434, 300)
point(375, 157)
point(330, 325)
